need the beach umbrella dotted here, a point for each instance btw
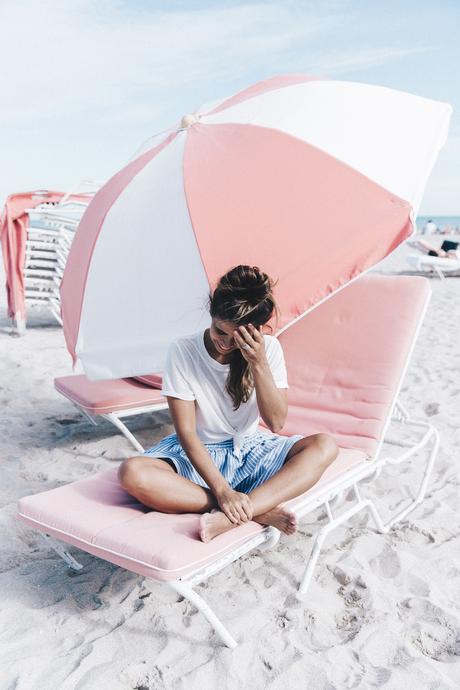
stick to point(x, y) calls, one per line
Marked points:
point(315, 181)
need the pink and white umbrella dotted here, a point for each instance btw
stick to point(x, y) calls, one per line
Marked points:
point(315, 181)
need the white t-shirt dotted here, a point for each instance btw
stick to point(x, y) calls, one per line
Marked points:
point(192, 374)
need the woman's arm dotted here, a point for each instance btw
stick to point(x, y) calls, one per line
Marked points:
point(183, 416)
point(271, 401)
point(235, 505)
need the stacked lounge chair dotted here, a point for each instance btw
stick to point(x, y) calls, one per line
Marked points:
point(51, 230)
point(346, 362)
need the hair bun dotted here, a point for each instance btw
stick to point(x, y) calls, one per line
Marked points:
point(244, 294)
point(261, 283)
point(247, 280)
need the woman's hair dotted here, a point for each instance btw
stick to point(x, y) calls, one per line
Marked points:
point(243, 295)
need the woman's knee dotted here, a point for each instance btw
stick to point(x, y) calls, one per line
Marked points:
point(130, 473)
point(324, 447)
point(327, 447)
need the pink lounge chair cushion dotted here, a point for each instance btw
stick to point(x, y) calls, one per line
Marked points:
point(98, 516)
point(102, 397)
point(153, 380)
point(346, 358)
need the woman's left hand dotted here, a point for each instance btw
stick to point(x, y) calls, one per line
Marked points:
point(251, 343)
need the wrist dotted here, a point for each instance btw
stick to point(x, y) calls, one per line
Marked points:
point(219, 486)
point(259, 368)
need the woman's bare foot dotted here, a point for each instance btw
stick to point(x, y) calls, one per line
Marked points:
point(215, 523)
point(280, 517)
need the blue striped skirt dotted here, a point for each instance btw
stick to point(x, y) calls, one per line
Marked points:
point(260, 457)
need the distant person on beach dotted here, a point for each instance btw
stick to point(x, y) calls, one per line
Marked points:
point(447, 250)
point(217, 383)
point(430, 228)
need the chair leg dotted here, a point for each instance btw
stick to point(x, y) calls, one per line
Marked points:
point(272, 539)
point(62, 552)
point(434, 437)
point(332, 524)
point(368, 504)
point(439, 273)
point(84, 413)
point(182, 588)
point(185, 590)
point(124, 430)
point(19, 324)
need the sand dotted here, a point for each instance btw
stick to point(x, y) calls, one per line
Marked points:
point(382, 611)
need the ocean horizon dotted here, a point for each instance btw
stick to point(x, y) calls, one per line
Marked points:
point(443, 222)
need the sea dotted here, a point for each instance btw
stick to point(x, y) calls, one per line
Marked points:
point(445, 224)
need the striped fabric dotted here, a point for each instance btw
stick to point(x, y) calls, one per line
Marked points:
point(261, 456)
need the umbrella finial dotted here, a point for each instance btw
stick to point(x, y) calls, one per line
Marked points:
point(188, 120)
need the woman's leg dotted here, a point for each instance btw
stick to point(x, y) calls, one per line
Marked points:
point(157, 485)
point(305, 463)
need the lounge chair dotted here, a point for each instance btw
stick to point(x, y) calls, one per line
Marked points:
point(346, 362)
point(113, 400)
point(51, 229)
point(434, 265)
point(426, 247)
point(36, 231)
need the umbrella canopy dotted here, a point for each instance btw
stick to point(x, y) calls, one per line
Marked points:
point(315, 181)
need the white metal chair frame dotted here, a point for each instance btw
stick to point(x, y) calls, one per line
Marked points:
point(430, 436)
point(431, 265)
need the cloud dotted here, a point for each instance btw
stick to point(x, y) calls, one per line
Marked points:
point(363, 58)
point(84, 56)
point(121, 63)
point(87, 81)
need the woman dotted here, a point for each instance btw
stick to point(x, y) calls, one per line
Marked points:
point(217, 383)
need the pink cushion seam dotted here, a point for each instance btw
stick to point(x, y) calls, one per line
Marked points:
point(125, 406)
point(208, 559)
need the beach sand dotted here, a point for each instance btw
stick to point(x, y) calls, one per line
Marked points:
point(382, 611)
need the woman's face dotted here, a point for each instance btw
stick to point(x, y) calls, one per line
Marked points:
point(221, 334)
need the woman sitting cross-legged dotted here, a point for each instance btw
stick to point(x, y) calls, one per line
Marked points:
point(218, 384)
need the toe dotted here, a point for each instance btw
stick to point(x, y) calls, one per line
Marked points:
point(293, 519)
point(204, 532)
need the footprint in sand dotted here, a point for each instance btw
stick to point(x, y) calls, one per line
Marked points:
point(387, 564)
point(431, 409)
point(357, 602)
point(418, 586)
point(434, 630)
point(341, 576)
point(376, 676)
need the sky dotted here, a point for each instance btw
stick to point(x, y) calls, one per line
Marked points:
point(85, 82)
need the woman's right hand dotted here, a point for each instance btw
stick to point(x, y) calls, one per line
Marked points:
point(236, 505)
